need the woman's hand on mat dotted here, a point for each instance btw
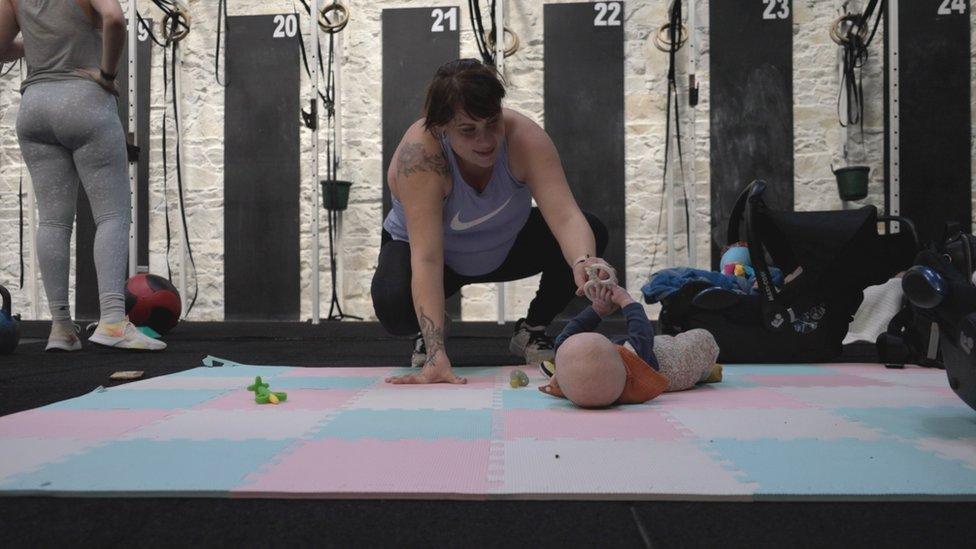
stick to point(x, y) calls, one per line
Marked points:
point(438, 371)
point(96, 76)
point(579, 273)
point(602, 298)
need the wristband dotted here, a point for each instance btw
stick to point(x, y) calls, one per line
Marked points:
point(107, 76)
point(581, 259)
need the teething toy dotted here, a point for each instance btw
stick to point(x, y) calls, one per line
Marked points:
point(599, 274)
point(518, 378)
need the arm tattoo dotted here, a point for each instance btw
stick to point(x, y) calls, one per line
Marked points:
point(414, 159)
point(433, 337)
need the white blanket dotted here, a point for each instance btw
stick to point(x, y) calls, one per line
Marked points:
point(880, 304)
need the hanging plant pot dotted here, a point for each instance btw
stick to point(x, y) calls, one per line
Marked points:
point(852, 182)
point(335, 194)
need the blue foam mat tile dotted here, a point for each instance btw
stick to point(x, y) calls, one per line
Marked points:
point(408, 424)
point(844, 468)
point(147, 467)
point(147, 399)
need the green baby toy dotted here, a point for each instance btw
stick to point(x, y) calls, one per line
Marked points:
point(264, 395)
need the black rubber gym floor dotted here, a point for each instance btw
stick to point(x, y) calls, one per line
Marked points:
point(31, 378)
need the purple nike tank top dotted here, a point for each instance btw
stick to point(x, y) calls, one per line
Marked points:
point(479, 227)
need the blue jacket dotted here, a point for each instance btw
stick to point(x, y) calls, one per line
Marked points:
point(640, 332)
point(666, 281)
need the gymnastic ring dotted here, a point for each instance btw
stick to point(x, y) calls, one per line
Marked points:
point(341, 17)
point(842, 37)
point(509, 50)
point(176, 25)
point(663, 43)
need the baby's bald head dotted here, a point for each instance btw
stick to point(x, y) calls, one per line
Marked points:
point(589, 370)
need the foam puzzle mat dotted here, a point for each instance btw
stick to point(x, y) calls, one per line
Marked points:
point(767, 432)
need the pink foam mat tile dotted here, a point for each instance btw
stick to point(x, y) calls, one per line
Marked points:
point(186, 382)
point(370, 371)
point(474, 382)
point(911, 378)
point(87, 425)
point(27, 454)
point(622, 423)
point(943, 391)
point(832, 380)
point(715, 396)
point(428, 397)
point(856, 368)
point(268, 422)
point(371, 467)
point(627, 469)
point(894, 396)
point(960, 449)
point(531, 370)
point(298, 399)
point(782, 424)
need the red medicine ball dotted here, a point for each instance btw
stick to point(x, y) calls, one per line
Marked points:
point(152, 301)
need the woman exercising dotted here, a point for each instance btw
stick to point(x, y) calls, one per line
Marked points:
point(462, 181)
point(69, 131)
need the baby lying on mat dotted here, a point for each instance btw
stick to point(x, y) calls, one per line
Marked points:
point(592, 371)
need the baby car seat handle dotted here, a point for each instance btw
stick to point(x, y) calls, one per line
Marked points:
point(754, 189)
point(775, 315)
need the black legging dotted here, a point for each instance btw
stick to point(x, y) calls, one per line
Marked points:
point(535, 251)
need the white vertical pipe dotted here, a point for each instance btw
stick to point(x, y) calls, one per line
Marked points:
point(35, 297)
point(894, 121)
point(337, 240)
point(132, 44)
point(177, 110)
point(691, 181)
point(316, 252)
point(500, 64)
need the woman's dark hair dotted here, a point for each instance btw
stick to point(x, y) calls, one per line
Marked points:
point(467, 84)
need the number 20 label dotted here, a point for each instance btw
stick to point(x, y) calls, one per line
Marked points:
point(286, 26)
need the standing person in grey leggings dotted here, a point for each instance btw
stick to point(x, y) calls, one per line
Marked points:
point(69, 132)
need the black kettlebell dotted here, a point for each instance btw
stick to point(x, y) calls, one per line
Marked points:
point(9, 325)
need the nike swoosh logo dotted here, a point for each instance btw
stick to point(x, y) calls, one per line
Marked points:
point(459, 225)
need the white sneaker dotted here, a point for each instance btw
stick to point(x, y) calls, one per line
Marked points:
point(64, 339)
point(531, 343)
point(124, 335)
point(419, 356)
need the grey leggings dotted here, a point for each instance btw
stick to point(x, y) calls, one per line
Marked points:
point(69, 131)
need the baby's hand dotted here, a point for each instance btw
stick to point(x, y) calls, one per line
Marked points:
point(602, 298)
point(621, 297)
